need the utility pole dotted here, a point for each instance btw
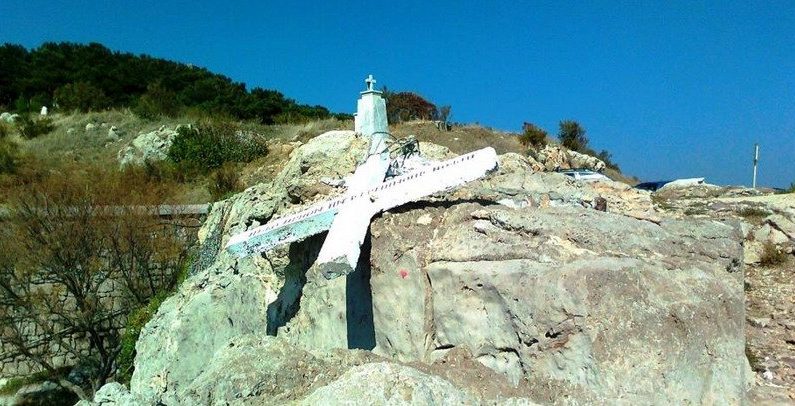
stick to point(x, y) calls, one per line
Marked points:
point(756, 162)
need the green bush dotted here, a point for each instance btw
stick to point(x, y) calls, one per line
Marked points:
point(606, 157)
point(224, 182)
point(9, 156)
point(572, 135)
point(157, 102)
point(81, 96)
point(533, 136)
point(30, 127)
point(211, 144)
point(406, 106)
point(135, 322)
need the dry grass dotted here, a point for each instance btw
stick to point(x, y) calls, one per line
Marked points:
point(771, 255)
point(754, 215)
point(72, 150)
point(71, 143)
point(460, 139)
point(299, 132)
point(71, 147)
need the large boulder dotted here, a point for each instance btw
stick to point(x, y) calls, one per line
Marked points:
point(566, 300)
point(152, 146)
point(554, 157)
point(389, 384)
point(8, 117)
point(553, 298)
point(584, 161)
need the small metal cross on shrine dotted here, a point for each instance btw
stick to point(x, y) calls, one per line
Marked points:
point(370, 82)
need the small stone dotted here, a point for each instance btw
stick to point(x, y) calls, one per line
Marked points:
point(482, 226)
point(760, 322)
point(425, 219)
point(480, 214)
point(113, 133)
point(90, 126)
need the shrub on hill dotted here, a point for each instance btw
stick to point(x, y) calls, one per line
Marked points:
point(572, 135)
point(224, 182)
point(30, 127)
point(607, 158)
point(80, 96)
point(157, 102)
point(405, 106)
point(210, 144)
point(9, 156)
point(533, 136)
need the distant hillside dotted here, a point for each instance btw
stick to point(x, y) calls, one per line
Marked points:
point(91, 77)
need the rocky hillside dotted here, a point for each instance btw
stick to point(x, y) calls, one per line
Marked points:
point(768, 227)
point(513, 289)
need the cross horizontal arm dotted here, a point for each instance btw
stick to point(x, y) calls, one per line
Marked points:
point(395, 192)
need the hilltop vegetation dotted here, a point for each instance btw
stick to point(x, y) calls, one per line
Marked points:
point(67, 76)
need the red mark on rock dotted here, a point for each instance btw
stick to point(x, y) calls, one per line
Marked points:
point(403, 273)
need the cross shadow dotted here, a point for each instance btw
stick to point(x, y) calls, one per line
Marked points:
point(359, 302)
point(302, 255)
point(358, 293)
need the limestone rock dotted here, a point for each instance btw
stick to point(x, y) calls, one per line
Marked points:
point(579, 160)
point(389, 384)
point(624, 199)
point(784, 224)
point(114, 133)
point(91, 126)
point(146, 147)
point(209, 309)
point(553, 157)
point(566, 303)
point(435, 152)
point(115, 394)
point(9, 117)
point(239, 296)
point(566, 299)
point(260, 370)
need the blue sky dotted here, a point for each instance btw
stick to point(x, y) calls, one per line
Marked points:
point(672, 89)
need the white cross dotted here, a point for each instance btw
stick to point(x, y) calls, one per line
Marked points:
point(370, 82)
point(443, 175)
